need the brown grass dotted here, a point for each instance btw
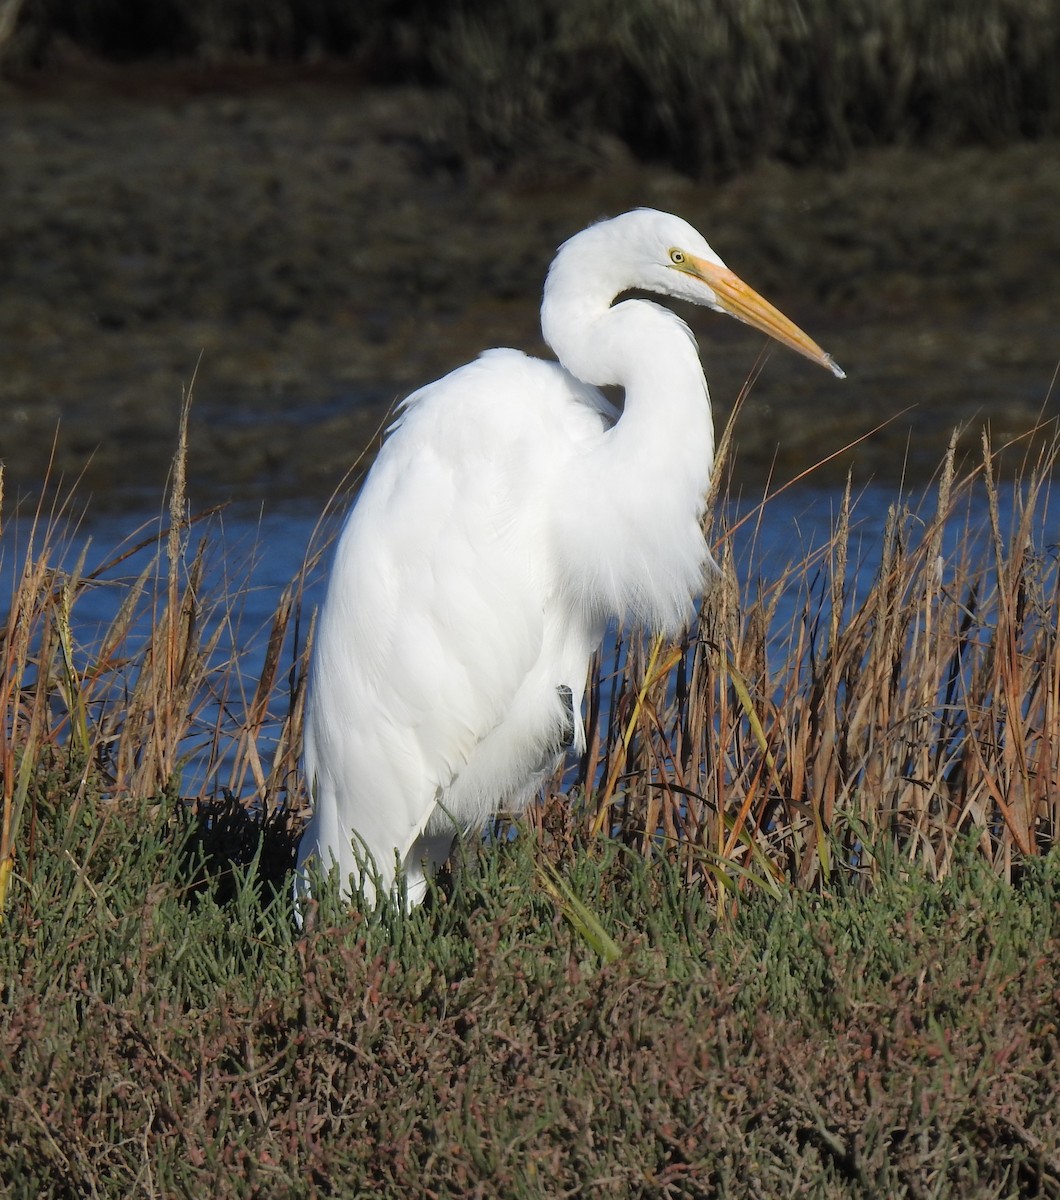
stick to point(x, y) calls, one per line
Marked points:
point(898, 720)
point(120, 719)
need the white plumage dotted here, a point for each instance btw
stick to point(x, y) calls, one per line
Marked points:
point(509, 515)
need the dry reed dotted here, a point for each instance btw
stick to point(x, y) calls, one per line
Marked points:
point(891, 720)
point(121, 719)
point(894, 721)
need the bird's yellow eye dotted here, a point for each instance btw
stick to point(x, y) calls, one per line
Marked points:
point(677, 258)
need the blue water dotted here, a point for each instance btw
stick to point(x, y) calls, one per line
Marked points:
point(252, 555)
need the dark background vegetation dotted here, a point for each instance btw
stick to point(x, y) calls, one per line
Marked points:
point(337, 202)
point(707, 84)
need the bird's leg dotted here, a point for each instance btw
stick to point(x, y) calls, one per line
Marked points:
point(428, 854)
point(567, 729)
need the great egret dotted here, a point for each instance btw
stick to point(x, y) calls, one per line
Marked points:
point(511, 513)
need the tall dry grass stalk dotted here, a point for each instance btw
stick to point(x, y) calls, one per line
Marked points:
point(893, 721)
point(122, 717)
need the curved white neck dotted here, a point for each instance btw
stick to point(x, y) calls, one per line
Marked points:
point(638, 495)
point(643, 348)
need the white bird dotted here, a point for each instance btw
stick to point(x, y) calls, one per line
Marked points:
point(511, 513)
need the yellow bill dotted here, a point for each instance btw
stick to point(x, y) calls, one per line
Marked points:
point(745, 304)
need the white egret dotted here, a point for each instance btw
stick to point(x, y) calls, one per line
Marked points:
point(511, 513)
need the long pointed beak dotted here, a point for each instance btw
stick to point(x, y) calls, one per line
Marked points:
point(746, 305)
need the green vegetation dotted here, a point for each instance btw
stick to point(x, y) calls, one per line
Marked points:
point(154, 1042)
point(705, 84)
point(819, 954)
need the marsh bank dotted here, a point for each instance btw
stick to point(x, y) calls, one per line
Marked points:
point(307, 252)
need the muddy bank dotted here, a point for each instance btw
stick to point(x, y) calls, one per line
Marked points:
point(305, 252)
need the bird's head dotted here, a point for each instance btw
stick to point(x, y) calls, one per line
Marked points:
point(658, 252)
